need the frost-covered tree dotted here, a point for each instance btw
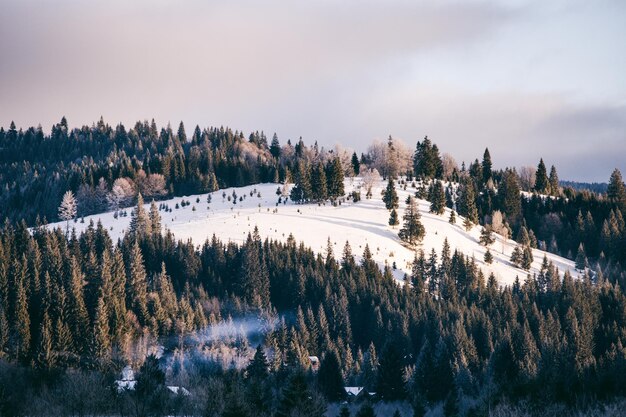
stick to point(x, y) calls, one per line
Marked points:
point(67, 209)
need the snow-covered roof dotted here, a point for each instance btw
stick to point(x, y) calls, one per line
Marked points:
point(355, 391)
point(314, 359)
point(128, 374)
point(178, 390)
point(125, 385)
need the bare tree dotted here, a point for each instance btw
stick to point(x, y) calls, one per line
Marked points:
point(122, 193)
point(370, 178)
point(449, 165)
point(527, 175)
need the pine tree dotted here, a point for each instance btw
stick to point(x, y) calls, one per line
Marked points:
point(155, 219)
point(527, 258)
point(318, 183)
point(486, 236)
point(554, 181)
point(137, 291)
point(44, 354)
point(390, 384)
point(486, 167)
point(390, 197)
point(542, 185)
point(275, 147)
point(467, 224)
point(509, 195)
point(581, 258)
point(516, 256)
point(258, 367)
point(616, 190)
point(452, 219)
point(488, 257)
point(356, 165)
point(335, 179)
point(139, 220)
point(412, 229)
point(78, 318)
point(101, 344)
point(438, 198)
point(22, 335)
point(297, 399)
point(329, 378)
point(393, 218)
point(467, 201)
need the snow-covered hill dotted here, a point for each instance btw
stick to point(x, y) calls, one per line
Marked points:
point(361, 223)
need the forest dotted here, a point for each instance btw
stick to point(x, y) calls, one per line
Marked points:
point(75, 309)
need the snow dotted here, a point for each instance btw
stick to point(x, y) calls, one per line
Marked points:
point(361, 223)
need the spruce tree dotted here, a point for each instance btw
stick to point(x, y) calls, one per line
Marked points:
point(412, 229)
point(438, 198)
point(393, 218)
point(275, 147)
point(44, 355)
point(297, 399)
point(452, 219)
point(542, 184)
point(137, 291)
point(527, 258)
point(318, 183)
point(139, 220)
point(258, 367)
point(356, 165)
point(554, 181)
point(488, 257)
point(616, 190)
point(581, 258)
point(467, 201)
point(486, 236)
point(101, 343)
point(390, 386)
point(335, 179)
point(486, 166)
point(329, 378)
point(390, 197)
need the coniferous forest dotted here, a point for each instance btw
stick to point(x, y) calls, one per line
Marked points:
point(76, 309)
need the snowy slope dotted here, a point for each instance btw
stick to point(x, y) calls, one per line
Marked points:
point(359, 223)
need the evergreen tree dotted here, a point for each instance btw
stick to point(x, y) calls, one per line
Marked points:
point(275, 147)
point(527, 258)
point(452, 219)
point(356, 165)
point(581, 258)
point(329, 378)
point(22, 335)
point(259, 366)
point(437, 198)
point(488, 257)
point(366, 410)
point(44, 355)
point(393, 218)
point(139, 220)
point(155, 219)
point(149, 393)
point(486, 167)
point(101, 344)
point(412, 229)
point(486, 236)
point(616, 190)
point(390, 197)
point(542, 184)
point(516, 256)
point(137, 290)
point(390, 384)
point(554, 181)
point(335, 179)
point(298, 400)
point(318, 183)
point(467, 201)
point(509, 196)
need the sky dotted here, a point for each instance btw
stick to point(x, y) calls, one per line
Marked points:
point(525, 78)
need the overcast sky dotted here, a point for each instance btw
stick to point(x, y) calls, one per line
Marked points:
point(526, 78)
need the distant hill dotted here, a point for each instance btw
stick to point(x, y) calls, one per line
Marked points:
point(595, 187)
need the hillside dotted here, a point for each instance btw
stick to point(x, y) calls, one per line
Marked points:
point(361, 223)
